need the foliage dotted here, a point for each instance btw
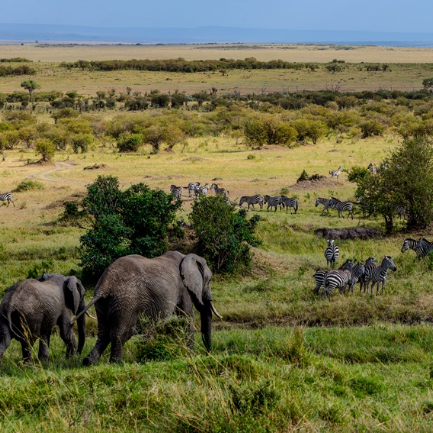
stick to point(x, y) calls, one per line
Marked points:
point(28, 185)
point(45, 148)
point(406, 179)
point(357, 173)
point(128, 142)
point(303, 176)
point(136, 221)
point(224, 235)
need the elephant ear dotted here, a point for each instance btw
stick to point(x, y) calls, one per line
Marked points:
point(196, 276)
point(74, 292)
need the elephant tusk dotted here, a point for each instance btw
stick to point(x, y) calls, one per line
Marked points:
point(92, 317)
point(215, 311)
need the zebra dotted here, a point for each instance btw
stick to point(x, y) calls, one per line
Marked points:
point(369, 267)
point(201, 190)
point(273, 202)
point(319, 276)
point(331, 253)
point(412, 244)
point(336, 172)
point(379, 273)
point(290, 203)
point(325, 202)
point(192, 187)
point(357, 272)
point(7, 196)
point(338, 278)
point(176, 191)
point(372, 169)
point(425, 247)
point(401, 211)
point(252, 200)
point(341, 206)
point(219, 191)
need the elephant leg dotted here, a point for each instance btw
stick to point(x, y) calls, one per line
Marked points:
point(68, 336)
point(101, 344)
point(26, 349)
point(5, 340)
point(44, 344)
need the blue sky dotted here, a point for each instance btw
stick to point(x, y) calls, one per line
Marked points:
point(367, 15)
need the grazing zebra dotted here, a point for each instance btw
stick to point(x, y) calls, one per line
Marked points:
point(219, 191)
point(341, 206)
point(273, 202)
point(252, 200)
point(425, 247)
point(290, 203)
point(337, 172)
point(192, 187)
point(378, 275)
point(412, 244)
point(331, 253)
point(325, 203)
point(338, 278)
point(401, 211)
point(7, 196)
point(201, 190)
point(176, 191)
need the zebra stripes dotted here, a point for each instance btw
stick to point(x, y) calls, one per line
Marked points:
point(341, 206)
point(290, 203)
point(331, 253)
point(201, 190)
point(338, 278)
point(273, 202)
point(378, 274)
point(7, 196)
point(176, 191)
point(325, 202)
point(336, 173)
point(252, 200)
point(219, 191)
point(425, 247)
point(192, 187)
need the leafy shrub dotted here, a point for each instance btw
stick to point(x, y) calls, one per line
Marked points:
point(303, 176)
point(28, 185)
point(40, 268)
point(136, 221)
point(357, 173)
point(224, 235)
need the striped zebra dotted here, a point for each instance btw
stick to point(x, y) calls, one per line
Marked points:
point(425, 247)
point(331, 253)
point(336, 173)
point(325, 202)
point(372, 169)
point(176, 191)
point(379, 274)
point(7, 196)
point(401, 211)
point(319, 276)
point(341, 206)
point(252, 200)
point(273, 202)
point(201, 190)
point(358, 272)
point(337, 278)
point(412, 244)
point(369, 267)
point(290, 203)
point(219, 191)
point(192, 187)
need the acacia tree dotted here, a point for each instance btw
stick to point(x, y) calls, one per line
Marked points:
point(30, 85)
point(406, 179)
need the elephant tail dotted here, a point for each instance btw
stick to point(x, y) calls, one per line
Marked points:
point(14, 334)
point(84, 310)
point(215, 311)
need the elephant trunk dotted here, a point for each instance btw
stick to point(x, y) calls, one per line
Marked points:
point(81, 324)
point(206, 326)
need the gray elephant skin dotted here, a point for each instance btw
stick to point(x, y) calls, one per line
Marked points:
point(31, 308)
point(157, 288)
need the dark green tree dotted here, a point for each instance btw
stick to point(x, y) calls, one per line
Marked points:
point(30, 85)
point(224, 234)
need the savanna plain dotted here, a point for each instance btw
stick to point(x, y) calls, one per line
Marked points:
point(283, 359)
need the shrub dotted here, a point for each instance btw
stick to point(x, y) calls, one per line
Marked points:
point(357, 173)
point(224, 235)
point(45, 148)
point(28, 185)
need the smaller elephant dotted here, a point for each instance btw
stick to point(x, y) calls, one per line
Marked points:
point(31, 308)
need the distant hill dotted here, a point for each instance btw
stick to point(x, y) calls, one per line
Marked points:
point(22, 33)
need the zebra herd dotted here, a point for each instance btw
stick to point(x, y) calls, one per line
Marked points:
point(195, 189)
point(335, 203)
point(280, 201)
point(365, 273)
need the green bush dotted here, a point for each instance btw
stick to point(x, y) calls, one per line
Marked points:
point(28, 185)
point(136, 221)
point(357, 173)
point(224, 235)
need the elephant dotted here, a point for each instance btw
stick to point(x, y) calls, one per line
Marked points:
point(157, 288)
point(31, 308)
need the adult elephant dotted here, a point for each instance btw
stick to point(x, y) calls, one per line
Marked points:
point(157, 288)
point(31, 308)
